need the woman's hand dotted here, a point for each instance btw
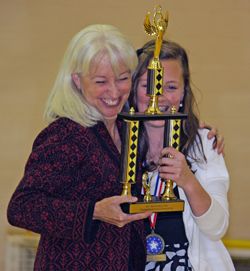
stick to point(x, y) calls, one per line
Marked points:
point(109, 210)
point(218, 143)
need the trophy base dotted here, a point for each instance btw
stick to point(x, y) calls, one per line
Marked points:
point(156, 258)
point(156, 206)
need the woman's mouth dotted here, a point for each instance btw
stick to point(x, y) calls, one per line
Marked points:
point(111, 102)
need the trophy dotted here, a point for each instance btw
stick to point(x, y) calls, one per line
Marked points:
point(167, 201)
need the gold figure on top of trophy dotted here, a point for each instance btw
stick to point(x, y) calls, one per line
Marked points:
point(155, 69)
point(157, 29)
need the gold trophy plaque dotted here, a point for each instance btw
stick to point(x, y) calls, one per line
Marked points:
point(167, 202)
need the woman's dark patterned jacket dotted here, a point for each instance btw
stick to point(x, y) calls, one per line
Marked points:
point(69, 169)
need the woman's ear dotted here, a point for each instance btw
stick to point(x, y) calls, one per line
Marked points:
point(76, 79)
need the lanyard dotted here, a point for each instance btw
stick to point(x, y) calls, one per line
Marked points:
point(157, 192)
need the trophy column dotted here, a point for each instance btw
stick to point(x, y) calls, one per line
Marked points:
point(172, 139)
point(129, 155)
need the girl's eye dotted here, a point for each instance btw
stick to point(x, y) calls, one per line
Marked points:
point(143, 85)
point(170, 88)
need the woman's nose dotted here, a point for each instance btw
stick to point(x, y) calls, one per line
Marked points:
point(113, 89)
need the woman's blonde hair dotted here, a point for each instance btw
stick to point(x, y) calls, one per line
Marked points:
point(65, 100)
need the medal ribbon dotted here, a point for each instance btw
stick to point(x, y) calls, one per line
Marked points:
point(155, 243)
point(157, 192)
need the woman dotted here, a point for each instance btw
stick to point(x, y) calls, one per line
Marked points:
point(69, 191)
point(192, 240)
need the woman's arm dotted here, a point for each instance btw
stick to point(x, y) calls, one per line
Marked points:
point(40, 202)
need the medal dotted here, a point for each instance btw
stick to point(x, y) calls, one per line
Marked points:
point(154, 242)
point(155, 246)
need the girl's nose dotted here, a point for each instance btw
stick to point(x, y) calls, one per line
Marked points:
point(163, 99)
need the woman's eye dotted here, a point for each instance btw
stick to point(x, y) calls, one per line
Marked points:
point(100, 82)
point(123, 78)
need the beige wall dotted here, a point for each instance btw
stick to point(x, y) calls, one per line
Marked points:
point(34, 35)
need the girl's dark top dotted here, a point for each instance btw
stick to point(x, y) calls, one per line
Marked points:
point(69, 169)
point(170, 226)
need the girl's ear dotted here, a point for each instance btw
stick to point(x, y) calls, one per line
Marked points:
point(76, 79)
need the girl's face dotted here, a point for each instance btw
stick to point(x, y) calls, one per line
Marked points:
point(173, 89)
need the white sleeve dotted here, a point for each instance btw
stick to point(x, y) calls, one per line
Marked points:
point(214, 178)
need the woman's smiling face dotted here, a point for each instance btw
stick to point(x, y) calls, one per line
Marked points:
point(106, 90)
